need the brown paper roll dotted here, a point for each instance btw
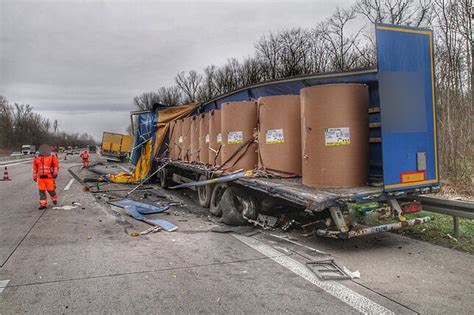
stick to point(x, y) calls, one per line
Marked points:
point(215, 137)
point(279, 136)
point(204, 138)
point(186, 134)
point(194, 151)
point(335, 131)
point(239, 120)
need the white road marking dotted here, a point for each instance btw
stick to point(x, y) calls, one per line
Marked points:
point(3, 284)
point(69, 184)
point(17, 163)
point(346, 295)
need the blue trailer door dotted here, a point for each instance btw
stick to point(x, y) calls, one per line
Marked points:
point(407, 107)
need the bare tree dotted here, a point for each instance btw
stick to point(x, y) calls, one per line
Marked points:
point(189, 83)
point(170, 96)
point(267, 51)
point(146, 100)
point(341, 44)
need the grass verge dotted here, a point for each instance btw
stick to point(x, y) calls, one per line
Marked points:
point(440, 231)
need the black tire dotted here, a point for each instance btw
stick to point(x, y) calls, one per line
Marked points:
point(237, 204)
point(205, 193)
point(216, 196)
point(165, 178)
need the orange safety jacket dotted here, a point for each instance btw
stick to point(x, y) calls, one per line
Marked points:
point(45, 166)
point(85, 155)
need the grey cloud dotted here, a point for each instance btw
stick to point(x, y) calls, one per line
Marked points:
point(97, 55)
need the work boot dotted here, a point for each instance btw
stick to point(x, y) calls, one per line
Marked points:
point(55, 202)
point(42, 207)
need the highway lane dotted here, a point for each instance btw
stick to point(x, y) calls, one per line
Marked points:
point(81, 260)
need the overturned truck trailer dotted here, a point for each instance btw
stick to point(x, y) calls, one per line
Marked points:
point(402, 159)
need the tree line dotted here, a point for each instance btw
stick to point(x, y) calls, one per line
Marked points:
point(20, 125)
point(345, 41)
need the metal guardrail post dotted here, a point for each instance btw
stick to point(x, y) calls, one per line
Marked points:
point(456, 226)
point(454, 208)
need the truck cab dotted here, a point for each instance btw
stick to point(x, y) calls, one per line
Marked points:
point(28, 149)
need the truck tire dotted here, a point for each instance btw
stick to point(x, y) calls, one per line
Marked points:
point(237, 204)
point(216, 196)
point(164, 177)
point(205, 193)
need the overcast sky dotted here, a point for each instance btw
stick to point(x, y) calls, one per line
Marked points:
point(82, 62)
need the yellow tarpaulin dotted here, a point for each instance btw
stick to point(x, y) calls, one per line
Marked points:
point(143, 166)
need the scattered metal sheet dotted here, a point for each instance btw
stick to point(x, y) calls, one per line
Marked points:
point(327, 270)
point(137, 209)
point(166, 225)
point(141, 207)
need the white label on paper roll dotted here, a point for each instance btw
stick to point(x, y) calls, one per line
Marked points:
point(274, 136)
point(219, 138)
point(207, 138)
point(180, 139)
point(235, 137)
point(337, 136)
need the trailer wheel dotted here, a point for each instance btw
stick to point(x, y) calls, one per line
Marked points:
point(205, 193)
point(165, 178)
point(238, 205)
point(216, 196)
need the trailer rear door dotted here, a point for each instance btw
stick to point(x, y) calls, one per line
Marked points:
point(407, 107)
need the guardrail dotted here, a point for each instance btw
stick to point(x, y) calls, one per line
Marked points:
point(9, 159)
point(455, 208)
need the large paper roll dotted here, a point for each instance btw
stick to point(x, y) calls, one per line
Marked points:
point(335, 141)
point(239, 121)
point(279, 136)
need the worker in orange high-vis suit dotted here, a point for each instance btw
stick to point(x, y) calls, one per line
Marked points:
point(45, 172)
point(85, 158)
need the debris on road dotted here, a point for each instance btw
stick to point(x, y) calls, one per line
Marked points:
point(142, 208)
point(137, 209)
point(352, 274)
point(153, 229)
point(65, 207)
point(328, 270)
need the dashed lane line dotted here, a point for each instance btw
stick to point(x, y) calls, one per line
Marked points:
point(69, 184)
point(3, 284)
point(346, 295)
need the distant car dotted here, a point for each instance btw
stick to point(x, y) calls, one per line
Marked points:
point(69, 152)
point(16, 154)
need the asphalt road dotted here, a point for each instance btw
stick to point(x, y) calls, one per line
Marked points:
point(83, 261)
